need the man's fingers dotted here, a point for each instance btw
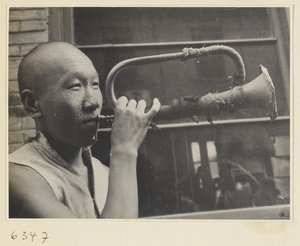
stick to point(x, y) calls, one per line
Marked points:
point(132, 104)
point(122, 102)
point(153, 111)
point(141, 106)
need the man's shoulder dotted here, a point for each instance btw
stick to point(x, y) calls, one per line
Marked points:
point(19, 173)
point(24, 181)
point(31, 196)
point(25, 152)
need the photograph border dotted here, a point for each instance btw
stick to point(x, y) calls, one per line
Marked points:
point(151, 232)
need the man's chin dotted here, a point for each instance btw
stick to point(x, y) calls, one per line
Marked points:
point(87, 142)
point(88, 136)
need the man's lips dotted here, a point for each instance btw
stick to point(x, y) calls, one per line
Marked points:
point(91, 120)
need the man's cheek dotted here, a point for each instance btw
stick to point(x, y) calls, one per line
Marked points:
point(63, 110)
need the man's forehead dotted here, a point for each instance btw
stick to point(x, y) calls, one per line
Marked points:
point(65, 54)
point(65, 58)
point(59, 62)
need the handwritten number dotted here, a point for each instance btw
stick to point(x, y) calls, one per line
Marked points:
point(33, 235)
point(13, 236)
point(46, 236)
point(24, 235)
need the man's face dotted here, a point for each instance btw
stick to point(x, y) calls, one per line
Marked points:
point(68, 98)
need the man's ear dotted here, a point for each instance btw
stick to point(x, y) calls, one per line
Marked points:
point(30, 103)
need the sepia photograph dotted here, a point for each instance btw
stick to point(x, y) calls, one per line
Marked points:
point(148, 114)
point(212, 84)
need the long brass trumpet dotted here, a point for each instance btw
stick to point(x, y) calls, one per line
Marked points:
point(260, 93)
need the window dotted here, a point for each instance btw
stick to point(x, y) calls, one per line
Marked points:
point(243, 159)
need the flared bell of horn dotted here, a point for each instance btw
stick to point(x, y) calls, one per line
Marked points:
point(259, 93)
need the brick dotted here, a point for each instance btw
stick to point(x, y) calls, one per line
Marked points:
point(15, 123)
point(15, 137)
point(17, 111)
point(14, 147)
point(36, 25)
point(26, 48)
point(14, 99)
point(14, 26)
point(27, 123)
point(28, 37)
point(13, 74)
point(30, 14)
point(27, 135)
point(20, 136)
point(14, 50)
point(13, 86)
point(14, 62)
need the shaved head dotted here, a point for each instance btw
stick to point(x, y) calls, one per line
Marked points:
point(41, 64)
point(59, 88)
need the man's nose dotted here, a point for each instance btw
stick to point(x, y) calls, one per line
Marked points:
point(91, 100)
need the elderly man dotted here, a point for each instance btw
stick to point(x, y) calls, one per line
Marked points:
point(54, 175)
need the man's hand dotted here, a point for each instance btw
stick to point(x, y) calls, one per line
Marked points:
point(128, 131)
point(131, 123)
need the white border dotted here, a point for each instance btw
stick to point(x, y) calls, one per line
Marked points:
point(119, 232)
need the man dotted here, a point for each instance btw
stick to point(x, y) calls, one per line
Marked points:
point(54, 175)
point(237, 186)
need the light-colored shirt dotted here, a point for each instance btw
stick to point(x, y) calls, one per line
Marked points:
point(68, 186)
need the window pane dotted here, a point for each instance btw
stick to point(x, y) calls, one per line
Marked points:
point(140, 25)
point(214, 169)
point(211, 150)
point(196, 152)
point(282, 145)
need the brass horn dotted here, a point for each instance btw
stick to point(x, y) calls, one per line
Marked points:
point(259, 93)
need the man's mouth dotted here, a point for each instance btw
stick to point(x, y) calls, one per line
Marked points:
point(92, 120)
point(98, 119)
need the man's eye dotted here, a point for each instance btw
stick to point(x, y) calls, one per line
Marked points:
point(76, 86)
point(95, 84)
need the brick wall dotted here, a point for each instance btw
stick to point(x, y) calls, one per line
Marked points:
point(27, 28)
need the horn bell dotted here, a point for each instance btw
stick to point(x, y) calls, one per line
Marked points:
point(260, 93)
